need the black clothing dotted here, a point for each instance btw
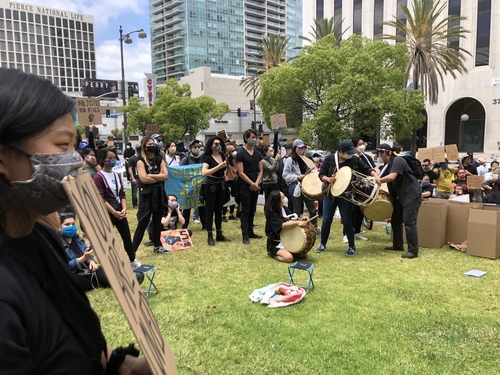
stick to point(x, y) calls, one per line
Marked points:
point(190, 159)
point(427, 188)
point(405, 188)
point(214, 177)
point(250, 163)
point(471, 169)
point(368, 160)
point(432, 176)
point(493, 197)
point(128, 153)
point(47, 323)
point(273, 230)
point(329, 167)
point(132, 164)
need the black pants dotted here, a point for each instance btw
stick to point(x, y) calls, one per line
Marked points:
point(248, 205)
point(268, 188)
point(214, 200)
point(124, 230)
point(408, 216)
point(187, 216)
point(134, 194)
point(88, 281)
point(143, 224)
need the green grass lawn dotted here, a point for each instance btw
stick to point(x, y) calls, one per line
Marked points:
point(373, 313)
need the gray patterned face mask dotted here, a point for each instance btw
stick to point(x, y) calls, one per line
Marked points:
point(44, 191)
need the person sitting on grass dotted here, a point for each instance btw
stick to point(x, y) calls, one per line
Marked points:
point(80, 256)
point(173, 215)
point(277, 212)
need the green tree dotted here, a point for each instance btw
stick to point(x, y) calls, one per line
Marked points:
point(426, 33)
point(175, 111)
point(324, 27)
point(341, 97)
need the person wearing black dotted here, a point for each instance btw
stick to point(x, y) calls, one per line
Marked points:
point(282, 185)
point(406, 196)
point(47, 324)
point(152, 171)
point(332, 163)
point(494, 196)
point(426, 186)
point(214, 187)
point(270, 167)
point(132, 172)
point(470, 169)
point(428, 170)
point(249, 163)
point(194, 157)
point(127, 154)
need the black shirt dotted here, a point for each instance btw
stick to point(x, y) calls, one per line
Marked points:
point(329, 167)
point(212, 163)
point(405, 188)
point(132, 163)
point(273, 230)
point(432, 176)
point(250, 162)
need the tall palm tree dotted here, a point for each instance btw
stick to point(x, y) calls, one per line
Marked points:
point(427, 38)
point(322, 28)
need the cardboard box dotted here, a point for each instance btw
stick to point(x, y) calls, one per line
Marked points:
point(431, 223)
point(458, 217)
point(483, 235)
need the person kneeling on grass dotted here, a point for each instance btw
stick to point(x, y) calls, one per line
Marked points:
point(173, 215)
point(276, 212)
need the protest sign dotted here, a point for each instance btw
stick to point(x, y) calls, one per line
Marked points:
point(278, 120)
point(439, 156)
point(425, 153)
point(185, 183)
point(451, 152)
point(474, 182)
point(176, 239)
point(89, 111)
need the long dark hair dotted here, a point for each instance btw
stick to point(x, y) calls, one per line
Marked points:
point(143, 150)
point(28, 105)
point(273, 203)
point(209, 145)
point(103, 153)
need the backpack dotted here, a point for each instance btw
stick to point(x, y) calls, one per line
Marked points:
point(415, 165)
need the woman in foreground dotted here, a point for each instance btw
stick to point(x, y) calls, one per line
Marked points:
point(47, 325)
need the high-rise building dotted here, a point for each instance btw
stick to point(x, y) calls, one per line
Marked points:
point(466, 111)
point(52, 43)
point(223, 35)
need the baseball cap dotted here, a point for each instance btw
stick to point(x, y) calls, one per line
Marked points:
point(470, 152)
point(298, 143)
point(193, 142)
point(347, 146)
point(288, 146)
point(281, 139)
point(382, 147)
point(154, 136)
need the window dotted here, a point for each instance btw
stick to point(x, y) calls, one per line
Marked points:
point(483, 33)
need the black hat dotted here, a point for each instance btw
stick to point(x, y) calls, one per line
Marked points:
point(382, 147)
point(193, 142)
point(347, 146)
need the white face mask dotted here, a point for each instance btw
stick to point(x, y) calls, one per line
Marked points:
point(234, 153)
point(315, 160)
point(347, 156)
point(361, 149)
point(284, 202)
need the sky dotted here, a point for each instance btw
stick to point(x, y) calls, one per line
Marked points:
point(108, 16)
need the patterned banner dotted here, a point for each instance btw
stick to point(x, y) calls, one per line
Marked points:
point(185, 183)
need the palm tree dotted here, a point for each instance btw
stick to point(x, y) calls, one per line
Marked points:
point(272, 50)
point(430, 56)
point(324, 27)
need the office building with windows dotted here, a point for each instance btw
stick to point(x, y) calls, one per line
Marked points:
point(468, 107)
point(223, 35)
point(52, 43)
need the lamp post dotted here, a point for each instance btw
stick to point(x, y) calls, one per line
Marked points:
point(463, 118)
point(128, 40)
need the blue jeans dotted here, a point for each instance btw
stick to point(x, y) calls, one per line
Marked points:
point(298, 204)
point(345, 207)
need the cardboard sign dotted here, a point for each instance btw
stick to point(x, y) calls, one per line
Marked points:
point(176, 239)
point(425, 153)
point(89, 111)
point(278, 120)
point(89, 206)
point(439, 155)
point(451, 152)
point(474, 182)
point(185, 183)
point(222, 134)
point(152, 129)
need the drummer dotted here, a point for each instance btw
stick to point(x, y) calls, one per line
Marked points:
point(407, 197)
point(277, 213)
point(332, 163)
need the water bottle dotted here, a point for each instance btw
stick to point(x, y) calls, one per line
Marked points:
point(388, 228)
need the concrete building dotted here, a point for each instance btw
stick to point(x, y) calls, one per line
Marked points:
point(223, 35)
point(52, 43)
point(468, 110)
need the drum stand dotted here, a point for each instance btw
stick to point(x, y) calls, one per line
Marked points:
point(308, 267)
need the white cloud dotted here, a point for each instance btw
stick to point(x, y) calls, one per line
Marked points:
point(102, 10)
point(136, 59)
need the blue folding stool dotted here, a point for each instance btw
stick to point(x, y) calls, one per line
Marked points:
point(148, 272)
point(308, 267)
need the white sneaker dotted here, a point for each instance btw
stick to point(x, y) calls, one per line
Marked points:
point(318, 230)
point(345, 239)
point(360, 237)
point(196, 221)
point(135, 263)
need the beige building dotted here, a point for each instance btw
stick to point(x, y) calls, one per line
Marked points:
point(468, 111)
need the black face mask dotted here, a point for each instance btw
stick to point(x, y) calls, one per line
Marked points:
point(152, 149)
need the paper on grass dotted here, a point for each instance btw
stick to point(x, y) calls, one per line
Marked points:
point(475, 273)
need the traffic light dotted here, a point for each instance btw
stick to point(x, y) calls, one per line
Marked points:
point(253, 125)
point(108, 113)
point(130, 92)
point(238, 111)
point(260, 129)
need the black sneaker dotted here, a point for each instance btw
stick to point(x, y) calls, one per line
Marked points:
point(320, 248)
point(224, 219)
point(350, 251)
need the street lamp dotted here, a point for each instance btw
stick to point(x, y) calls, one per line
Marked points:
point(128, 40)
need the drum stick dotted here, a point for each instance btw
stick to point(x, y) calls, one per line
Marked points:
point(312, 218)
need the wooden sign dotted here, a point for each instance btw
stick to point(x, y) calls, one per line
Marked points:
point(89, 111)
point(222, 134)
point(152, 129)
point(451, 152)
point(176, 239)
point(89, 206)
point(425, 153)
point(439, 155)
point(278, 120)
point(475, 182)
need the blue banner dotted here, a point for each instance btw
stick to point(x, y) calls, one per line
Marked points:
point(185, 183)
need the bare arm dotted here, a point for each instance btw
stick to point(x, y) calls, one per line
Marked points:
point(390, 177)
